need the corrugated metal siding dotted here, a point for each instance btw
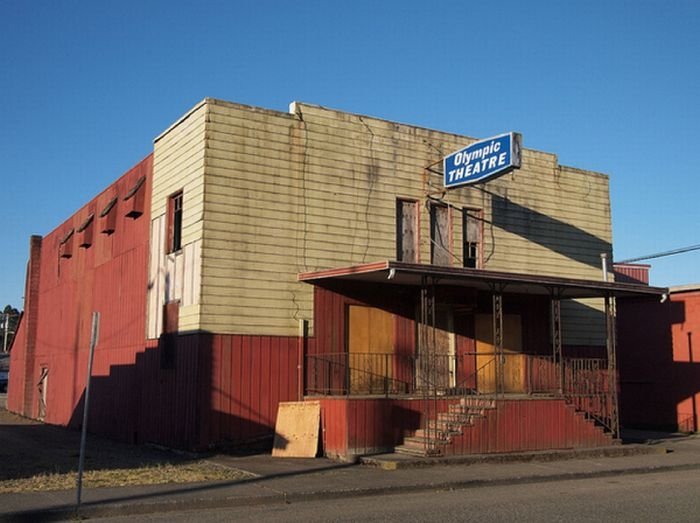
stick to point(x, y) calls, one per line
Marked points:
point(631, 273)
point(248, 377)
point(659, 370)
point(528, 424)
point(109, 277)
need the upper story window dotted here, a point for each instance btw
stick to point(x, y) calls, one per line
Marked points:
point(175, 222)
point(471, 243)
point(440, 234)
point(407, 231)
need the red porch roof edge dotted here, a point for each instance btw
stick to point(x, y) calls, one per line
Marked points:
point(579, 287)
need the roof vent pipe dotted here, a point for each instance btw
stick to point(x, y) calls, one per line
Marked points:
point(604, 264)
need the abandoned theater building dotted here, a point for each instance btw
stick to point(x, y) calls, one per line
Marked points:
point(257, 257)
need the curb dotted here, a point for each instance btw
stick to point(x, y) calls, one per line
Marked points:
point(394, 462)
point(115, 509)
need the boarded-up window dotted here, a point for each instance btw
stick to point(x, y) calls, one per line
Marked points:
point(407, 231)
point(175, 222)
point(471, 226)
point(440, 235)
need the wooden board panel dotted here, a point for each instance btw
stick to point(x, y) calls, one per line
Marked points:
point(487, 366)
point(370, 335)
point(297, 429)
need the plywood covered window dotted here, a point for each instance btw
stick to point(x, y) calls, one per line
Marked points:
point(407, 230)
point(440, 232)
point(471, 243)
point(175, 222)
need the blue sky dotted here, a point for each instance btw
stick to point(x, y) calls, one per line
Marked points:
point(610, 86)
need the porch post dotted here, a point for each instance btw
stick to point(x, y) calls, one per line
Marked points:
point(498, 338)
point(612, 364)
point(556, 339)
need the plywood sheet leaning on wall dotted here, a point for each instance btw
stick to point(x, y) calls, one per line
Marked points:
point(296, 430)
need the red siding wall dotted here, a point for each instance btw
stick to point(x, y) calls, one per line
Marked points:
point(191, 391)
point(365, 426)
point(631, 272)
point(110, 276)
point(659, 362)
point(518, 425)
point(247, 377)
point(220, 389)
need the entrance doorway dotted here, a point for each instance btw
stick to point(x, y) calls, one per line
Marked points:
point(436, 365)
point(370, 349)
point(42, 393)
point(513, 361)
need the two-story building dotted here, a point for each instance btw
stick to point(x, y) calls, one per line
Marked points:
point(260, 256)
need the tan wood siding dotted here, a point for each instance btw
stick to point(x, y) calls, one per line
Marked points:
point(285, 193)
point(179, 159)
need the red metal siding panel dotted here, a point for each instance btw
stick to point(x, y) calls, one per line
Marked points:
point(631, 273)
point(69, 290)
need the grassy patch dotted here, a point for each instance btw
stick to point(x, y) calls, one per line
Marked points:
point(188, 472)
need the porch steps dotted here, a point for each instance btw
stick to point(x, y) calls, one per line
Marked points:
point(462, 426)
point(430, 441)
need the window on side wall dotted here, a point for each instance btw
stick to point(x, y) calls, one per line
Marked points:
point(175, 222)
point(471, 244)
point(407, 231)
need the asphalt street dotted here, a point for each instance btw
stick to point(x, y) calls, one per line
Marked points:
point(664, 496)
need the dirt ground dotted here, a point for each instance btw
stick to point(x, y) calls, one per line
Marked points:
point(34, 456)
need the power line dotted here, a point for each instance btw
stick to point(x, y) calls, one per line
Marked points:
point(662, 254)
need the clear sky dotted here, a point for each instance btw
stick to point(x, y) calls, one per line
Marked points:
point(610, 86)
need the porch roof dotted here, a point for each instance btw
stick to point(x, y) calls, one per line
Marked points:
point(412, 274)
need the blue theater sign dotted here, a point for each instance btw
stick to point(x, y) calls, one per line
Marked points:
point(482, 160)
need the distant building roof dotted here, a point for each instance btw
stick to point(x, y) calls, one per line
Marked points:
point(690, 287)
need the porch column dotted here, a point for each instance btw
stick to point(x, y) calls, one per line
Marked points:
point(426, 363)
point(498, 337)
point(612, 363)
point(556, 339)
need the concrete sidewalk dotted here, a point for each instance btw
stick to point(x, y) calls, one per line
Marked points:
point(294, 480)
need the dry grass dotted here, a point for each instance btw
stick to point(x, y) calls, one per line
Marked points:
point(189, 472)
point(36, 457)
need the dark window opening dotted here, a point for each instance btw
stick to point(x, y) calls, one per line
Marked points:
point(175, 222)
point(471, 227)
